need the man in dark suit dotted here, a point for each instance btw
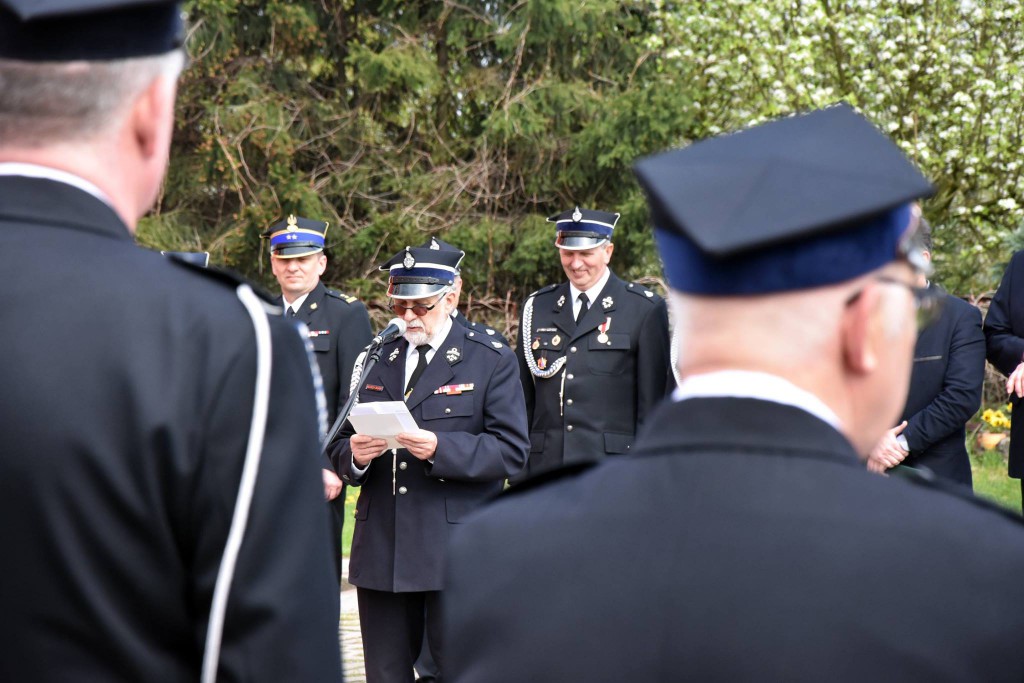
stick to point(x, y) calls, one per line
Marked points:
point(1004, 341)
point(945, 390)
point(744, 539)
point(462, 388)
point(151, 410)
point(585, 341)
point(338, 327)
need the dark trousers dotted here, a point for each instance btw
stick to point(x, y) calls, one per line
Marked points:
point(335, 526)
point(392, 625)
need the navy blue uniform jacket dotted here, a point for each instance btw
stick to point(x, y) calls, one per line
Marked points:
point(743, 541)
point(126, 396)
point(945, 390)
point(593, 406)
point(339, 329)
point(1004, 339)
point(401, 532)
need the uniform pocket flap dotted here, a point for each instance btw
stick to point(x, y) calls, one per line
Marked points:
point(537, 442)
point(615, 342)
point(440, 407)
point(456, 509)
point(617, 443)
point(321, 343)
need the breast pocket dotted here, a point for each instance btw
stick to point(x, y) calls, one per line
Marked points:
point(321, 343)
point(446, 407)
point(608, 357)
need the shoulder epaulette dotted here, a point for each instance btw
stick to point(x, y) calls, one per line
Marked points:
point(640, 290)
point(485, 340)
point(338, 295)
point(545, 478)
point(928, 479)
point(544, 290)
point(227, 277)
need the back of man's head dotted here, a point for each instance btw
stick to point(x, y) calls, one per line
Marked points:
point(88, 87)
point(788, 249)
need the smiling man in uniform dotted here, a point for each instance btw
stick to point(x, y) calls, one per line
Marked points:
point(585, 340)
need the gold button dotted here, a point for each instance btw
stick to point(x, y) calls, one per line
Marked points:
point(403, 490)
point(402, 465)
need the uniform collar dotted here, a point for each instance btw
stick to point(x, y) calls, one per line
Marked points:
point(760, 385)
point(594, 291)
point(16, 168)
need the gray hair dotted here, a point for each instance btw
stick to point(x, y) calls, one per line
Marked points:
point(44, 103)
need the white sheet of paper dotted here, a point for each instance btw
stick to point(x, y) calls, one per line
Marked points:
point(383, 419)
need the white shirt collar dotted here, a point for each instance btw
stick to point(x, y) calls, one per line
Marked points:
point(758, 385)
point(15, 168)
point(297, 304)
point(593, 292)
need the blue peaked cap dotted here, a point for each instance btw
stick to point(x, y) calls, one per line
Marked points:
point(795, 203)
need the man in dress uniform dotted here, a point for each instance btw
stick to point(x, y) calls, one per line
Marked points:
point(1004, 342)
point(338, 325)
point(945, 390)
point(159, 456)
point(593, 352)
point(745, 539)
point(462, 388)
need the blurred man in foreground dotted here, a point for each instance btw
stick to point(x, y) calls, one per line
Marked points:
point(161, 481)
point(745, 540)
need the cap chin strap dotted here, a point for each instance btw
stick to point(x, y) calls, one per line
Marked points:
point(253, 453)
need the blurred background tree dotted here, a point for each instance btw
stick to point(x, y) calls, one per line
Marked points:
point(473, 120)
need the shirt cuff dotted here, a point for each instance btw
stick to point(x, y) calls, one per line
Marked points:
point(902, 441)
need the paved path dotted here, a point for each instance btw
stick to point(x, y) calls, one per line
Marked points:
point(348, 632)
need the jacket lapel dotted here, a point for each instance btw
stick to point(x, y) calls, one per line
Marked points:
point(439, 371)
point(562, 311)
point(597, 313)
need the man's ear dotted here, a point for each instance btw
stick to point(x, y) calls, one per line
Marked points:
point(858, 340)
point(152, 117)
point(321, 264)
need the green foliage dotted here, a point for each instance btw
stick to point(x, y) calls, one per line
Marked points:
point(398, 119)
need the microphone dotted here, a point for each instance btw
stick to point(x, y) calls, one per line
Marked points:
point(394, 330)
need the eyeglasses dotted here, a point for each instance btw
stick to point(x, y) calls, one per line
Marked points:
point(927, 303)
point(417, 309)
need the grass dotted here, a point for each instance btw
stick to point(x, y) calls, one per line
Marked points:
point(988, 468)
point(991, 480)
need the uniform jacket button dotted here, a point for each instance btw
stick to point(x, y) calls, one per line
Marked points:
point(572, 350)
point(569, 376)
point(569, 428)
point(402, 465)
point(403, 490)
point(447, 411)
point(569, 402)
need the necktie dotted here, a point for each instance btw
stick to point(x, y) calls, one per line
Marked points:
point(584, 305)
point(421, 365)
point(290, 312)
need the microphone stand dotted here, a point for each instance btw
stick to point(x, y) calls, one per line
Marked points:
point(372, 356)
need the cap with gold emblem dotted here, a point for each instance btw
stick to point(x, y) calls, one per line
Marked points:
point(583, 228)
point(296, 236)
